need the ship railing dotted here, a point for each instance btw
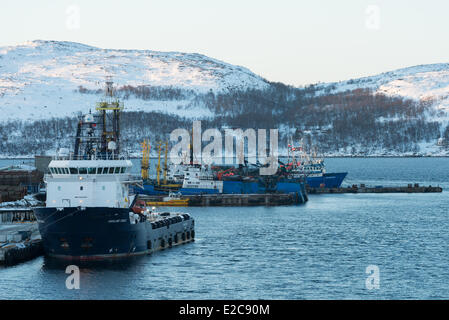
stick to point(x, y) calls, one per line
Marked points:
point(102, 156)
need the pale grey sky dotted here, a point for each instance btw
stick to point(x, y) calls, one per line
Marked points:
point(291, 41)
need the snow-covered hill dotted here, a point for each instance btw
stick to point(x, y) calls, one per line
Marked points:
point(51, 79)
point(39, 79)
point(424, 82)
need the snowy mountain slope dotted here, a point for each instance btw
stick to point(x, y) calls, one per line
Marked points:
point(424, 82)
point(38, 79)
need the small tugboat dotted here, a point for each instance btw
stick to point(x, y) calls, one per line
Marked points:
point(173, 200)
point(89, 213)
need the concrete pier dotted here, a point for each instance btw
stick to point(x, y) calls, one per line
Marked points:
point(416, 188)
point(14, 215)
point(19, 236)
point(237, 200)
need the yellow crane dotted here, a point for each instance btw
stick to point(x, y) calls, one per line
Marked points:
point(159, 145)
point(146, 147)
point(165, 163)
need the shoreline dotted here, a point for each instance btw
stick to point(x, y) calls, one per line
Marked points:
point(282, 156)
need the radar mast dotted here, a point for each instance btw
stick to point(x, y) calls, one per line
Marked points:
point(109, 110)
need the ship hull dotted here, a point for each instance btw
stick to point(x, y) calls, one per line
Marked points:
point(152, 191)
point(237, 187)
point(197, 191)
point(102, 233)
point(327, 180)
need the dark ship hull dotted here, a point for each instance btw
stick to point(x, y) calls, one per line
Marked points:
point(98, 233)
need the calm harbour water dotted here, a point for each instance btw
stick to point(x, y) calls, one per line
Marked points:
point(319, 250)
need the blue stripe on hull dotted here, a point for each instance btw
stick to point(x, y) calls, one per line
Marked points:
point(240, 187)
point(149, 190)
point(195, 191)
point(329, 180)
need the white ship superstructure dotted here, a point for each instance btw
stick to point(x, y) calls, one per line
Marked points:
point(89, 183)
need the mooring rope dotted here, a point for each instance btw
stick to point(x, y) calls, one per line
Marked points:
point(66, 216)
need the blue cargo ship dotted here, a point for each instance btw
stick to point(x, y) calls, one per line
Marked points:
point(197, 180)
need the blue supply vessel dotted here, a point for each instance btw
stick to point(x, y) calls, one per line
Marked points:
point(299, 163)
point(197, 181)
point(327, 180)
point(89, 213)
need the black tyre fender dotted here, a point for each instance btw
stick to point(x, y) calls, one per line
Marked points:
point(9, 257)
point(17, 254)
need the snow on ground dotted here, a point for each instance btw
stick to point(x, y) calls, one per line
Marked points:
point(26, 202)
point(421, 83)
point(19, 167)
point(38, 79)
point(424, 82)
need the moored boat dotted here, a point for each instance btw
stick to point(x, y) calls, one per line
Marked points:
point(172, 200)
point(89, 213)
point(312, 168)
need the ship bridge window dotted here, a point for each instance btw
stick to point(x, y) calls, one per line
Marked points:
point(103, 170)
point(66, 170)
point(111, 170)
point(51, 170)
point(59, 170)
point(73, 170)
point(123, 169)
point(83, 170)
point(91, 171)
point(117, 170)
